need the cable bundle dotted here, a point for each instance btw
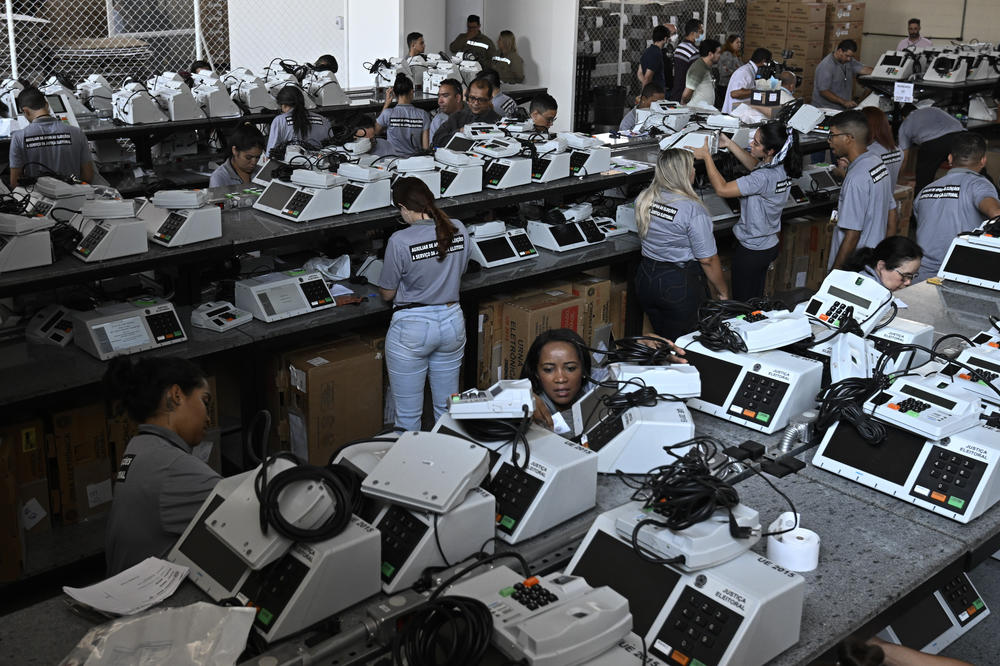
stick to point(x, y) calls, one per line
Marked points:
point(508, 430)
point(843, 400)
point(446, 631)
point(637, 350)
point(713, 331)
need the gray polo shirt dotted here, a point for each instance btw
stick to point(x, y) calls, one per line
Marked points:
point(226, 175)
point(282, 131)
point(946, 208)
point(440, 118)
point(763, 193)
point(158, 489)
point(679, 230)
point(504, 104)
point(413, 270)
point(628, 122)
point(47, 140)
point(892, 159)
point(836, 77)
point(923, 125)
point(404, 125)
point(864, 203)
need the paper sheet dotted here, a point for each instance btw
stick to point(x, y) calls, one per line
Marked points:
point(133, 590)
point(340, 290)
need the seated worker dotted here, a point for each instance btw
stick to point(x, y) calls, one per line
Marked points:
point(558, 365)
point(508, 63)
point(478, 109)
point(913, 39)
point(405, 126)
point(503, 103)
point(685, 54)
point(835, 74)
point(415, 45)
point(246, 145)
point(473, 41)
point(295, 124)
point(789, 82)
point(542, 112)
point(866, 209)
point(199, 66)
point(326, 63)
point(363, 127)
point(47, 145)
point(651, 63)
point(160, 484)
point(894, 262)
point(651, 92)
point(699, 87)
point(741, 83)
point(449, 102)
point(933, 131)
point(958, 202)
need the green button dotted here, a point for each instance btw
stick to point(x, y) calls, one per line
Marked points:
point(836, 322)
point(264, 616)
point(295, 271)
point(506, 592)
point(978, 603)
point(761, 416)
point(956, 502)
point(143, 303)
point(507, 522)
point(695, 662)
point(388, 570)
point(178, 333)
point(913, 414)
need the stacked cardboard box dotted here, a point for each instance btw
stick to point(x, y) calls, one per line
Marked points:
point(79, 444)
point(904, 209)
point(526, 317)
point(805, 250)
point(844, 20)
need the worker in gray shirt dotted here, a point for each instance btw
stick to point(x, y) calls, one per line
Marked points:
point(866, 209)
point(503, 103)
point(478, 109)
point(955, 203)
point(296, 124)
point(407, 128)
point(473, 41)
point(932, 130)
point(246, 145)
point(651, 92)
point(833, 87)
point(449, 102)
point(47, 145)
point(881, 142)
point(160, 484)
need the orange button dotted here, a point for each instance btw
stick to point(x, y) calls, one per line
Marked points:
point(938, 496)
point(824, 317)
point(963, 376)
point(750, 413)
point(970, 610)
point(892, 405)
point(757, 312)
point(499, 517)
point(531, 582)
point(995, 345)
point(680, 658)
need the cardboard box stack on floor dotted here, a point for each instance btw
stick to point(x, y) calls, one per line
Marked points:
point(805, 249)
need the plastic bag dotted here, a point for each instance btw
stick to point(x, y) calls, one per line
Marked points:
point(331, 269)
point(201, 633)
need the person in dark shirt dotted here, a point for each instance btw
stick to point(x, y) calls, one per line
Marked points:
point(651, 63)
point(685, 54)
point(478, 109)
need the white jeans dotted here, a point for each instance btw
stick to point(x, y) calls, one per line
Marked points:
point(422, 342)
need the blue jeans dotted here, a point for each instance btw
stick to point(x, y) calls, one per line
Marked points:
point(670, 295)
point(422, 342)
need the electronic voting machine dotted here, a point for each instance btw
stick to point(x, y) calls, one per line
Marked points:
point(283, 295)
point(494, 244)
point(975, 258)
point(118, 329)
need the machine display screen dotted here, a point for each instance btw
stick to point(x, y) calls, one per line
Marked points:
point(973, 263)
point(281, 298)
point(460, 144)
point(496, 249)
point(266, 170)
point(276, 196)
point(566, 234)
point(985, 365)
point(717, 376)
point(891, 460)
point(928, 396)
point(55, 103)
point(892, 60)
point(849, 297)
point(922, 623)
point(589, 408)
point(823, 180)
point(210, 554)
point(647, 586)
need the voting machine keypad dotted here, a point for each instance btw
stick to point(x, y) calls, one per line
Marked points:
point(962, 598)
point(514, 490)
point(316, 293)
point(270, 589)
point(170, 227)
point(948, 479)
point(576, 161)
point(591, 232)
point(401, 532)
point(165, 327)
point(297, 204)
point(605, 431)
point(522, 245)
point(447, 178)
point(758, 398)
point(495, 173)
point(698, 630)
point(529, 594)
point(93, 239)
point(351, 194)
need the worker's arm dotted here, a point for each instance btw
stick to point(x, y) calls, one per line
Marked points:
point(425, 139)
point(741, 93)
point(686, 97)
point(836, 99)
point(387, 294)
point(86, 172)
point(721, 186)
point(645, 75)
point(15, 175)
point(989, 206)
point(736, 150)
point(713, 271)
point(866, 70)
point(851, 238)
point(898, 655)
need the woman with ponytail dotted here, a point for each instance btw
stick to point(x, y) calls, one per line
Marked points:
point(421, 275)
point(296, 124)
point(678, 248)
point(406, 127)
point(773, 161)
point(160, 483)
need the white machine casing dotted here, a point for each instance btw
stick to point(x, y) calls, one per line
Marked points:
point(843, 289)
point(760, 391)
point(818, 179)
point(324, 89)
point(460, 173)
point(589, 161)
point(133, 106)
point(185, 226)
point(550, 166)
point(493, 244)
point(431, 177)
point(694, 138)
point(947, 68)
point(175, 98)
point(982, 107)
point(109, 239)
point(219, 316)
point(214, 100)
point(564, 236)
point(632, 440)
point(894, 66)
point(507, 399)
point(984, 67)
point(119, 329)
point(761, 331)
point(28, 250)
point(504, 172)
point(277, 80)
point(681, 380)
point(367, 188)
point(986, 360)
point(760, 601)
point(969, 262)
point(956, 607)
point(806, 119)
point(52, 325)
point(926, 406)
point(95, 92)
point(299, 203)
point(251, 92)
point(295, 292)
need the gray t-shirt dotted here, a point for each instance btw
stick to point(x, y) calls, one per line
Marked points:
point(504, 104)
point(946, 208)
point(923, 125)
point(679, 230)
point(412, 268)
point(440, 118)
point(226, 175)
point(836, 77)
point(763, 193)
point(404, 126)
point(47, 140)
point(158, 490)
point(282, 131)
point(864, 204)
point(892, 159)
point(628, 122)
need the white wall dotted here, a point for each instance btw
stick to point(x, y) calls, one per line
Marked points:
point(458, 11)
point(260, 30)
point(546, 39)
point(426, 17)
point(373, 28)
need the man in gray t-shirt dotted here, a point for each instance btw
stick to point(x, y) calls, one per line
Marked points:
point(47, 145)
point(932, 130)
point(955, 203)
point(449, 102)
point(866, 209)
point(833, 87)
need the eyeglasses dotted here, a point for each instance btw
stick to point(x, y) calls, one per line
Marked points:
point(907, 277)
point(478, 100)
point(834, 136)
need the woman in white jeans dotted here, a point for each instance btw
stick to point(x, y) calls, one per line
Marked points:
point(423, 270)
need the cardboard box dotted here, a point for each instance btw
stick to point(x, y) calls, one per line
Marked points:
point(525, 318)
point(375, 338)
point(845, 11)
point(596, 314)
point(490, 320)
point(11, 545)
point(335, 396)
point(78, 436)
point(811, 12)
point(904, 209)
point(805, 53)
point(805, 247)
point(767, 10)
point(34, 508)
point(23, 447)
point(93, 488)
point(805, 31)
point(619, 301)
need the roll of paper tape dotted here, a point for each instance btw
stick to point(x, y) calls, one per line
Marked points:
point(797, 550)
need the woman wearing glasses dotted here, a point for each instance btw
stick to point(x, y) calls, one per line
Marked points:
point(772, 160)
point(678, 248)
point(894, 262)
point(423, 270)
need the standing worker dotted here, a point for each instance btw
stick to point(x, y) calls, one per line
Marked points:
point(741, 83)
point(422, 274)
point(835, 74)
point(933, 131)
point(406, 127)
point(295, 124)
point(685, 54)
point(650, 68)
point(881, 143)
point(508, 63)
point(47, 145)
point(699, 87)
point(473, 41)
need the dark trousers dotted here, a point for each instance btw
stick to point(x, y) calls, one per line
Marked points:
point(750, 271)
point(670, 295)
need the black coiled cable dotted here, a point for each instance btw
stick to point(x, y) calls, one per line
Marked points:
point(447, 631)
point(638, 350)
point(268, 491)
point(713, 331)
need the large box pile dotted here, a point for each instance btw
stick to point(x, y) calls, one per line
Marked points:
point(805, 251)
